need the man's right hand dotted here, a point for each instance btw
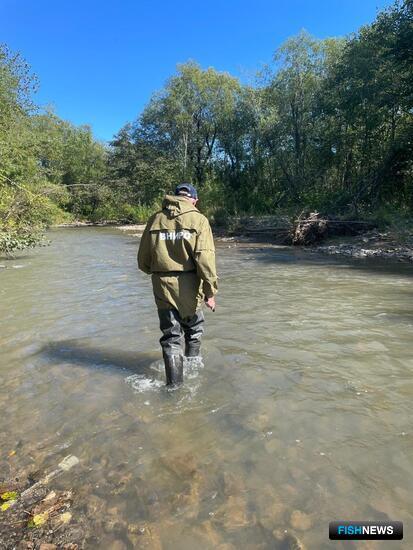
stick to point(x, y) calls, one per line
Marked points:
point(210, 302)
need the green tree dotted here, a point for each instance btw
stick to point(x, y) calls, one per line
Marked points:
point(369, 112)
point(291, 127)
point(189, 115)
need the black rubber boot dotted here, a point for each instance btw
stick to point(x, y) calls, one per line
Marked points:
point(174, 369)
point(192, 349)
point(193, 328)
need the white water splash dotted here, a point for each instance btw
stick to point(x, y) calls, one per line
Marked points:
point(140, 383)
point(192, 365)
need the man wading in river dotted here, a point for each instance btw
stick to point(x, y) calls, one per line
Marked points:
point(177, 249)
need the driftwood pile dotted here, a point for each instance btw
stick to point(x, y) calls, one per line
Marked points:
point(308, 229)
point(312, 227)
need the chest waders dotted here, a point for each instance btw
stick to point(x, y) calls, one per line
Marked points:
point(176, 333)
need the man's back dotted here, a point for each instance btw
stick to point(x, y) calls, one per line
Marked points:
point(173, 236)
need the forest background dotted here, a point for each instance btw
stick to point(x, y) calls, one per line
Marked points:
point(327, 126)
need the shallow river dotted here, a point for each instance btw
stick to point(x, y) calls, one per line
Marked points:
point(300, 415)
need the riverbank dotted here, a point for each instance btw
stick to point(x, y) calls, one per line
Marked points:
point(393, 243)
point(371, 244)
point(351, 239)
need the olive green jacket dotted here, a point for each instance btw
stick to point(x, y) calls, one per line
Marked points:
point(179, 239)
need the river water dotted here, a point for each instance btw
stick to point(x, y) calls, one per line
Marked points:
point(301, 414)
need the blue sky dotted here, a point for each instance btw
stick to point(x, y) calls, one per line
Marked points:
point(99, 62)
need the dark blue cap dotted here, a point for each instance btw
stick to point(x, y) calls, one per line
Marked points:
point(186, 190)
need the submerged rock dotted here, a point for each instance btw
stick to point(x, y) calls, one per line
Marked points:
point(300, 520)
point(95, 506)
point(187, 503)
point(273, 445)
point(233, 484)
point(289, 540)
point(113, 522)
point(207, 534)
point(272, 515)
point(233, 513)
point(259, 422)
point(182, 466)
point(145, 536)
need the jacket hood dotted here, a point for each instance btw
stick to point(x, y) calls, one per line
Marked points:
point(175, 206)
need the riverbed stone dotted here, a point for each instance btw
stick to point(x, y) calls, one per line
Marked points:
point(145, 536)
point(289, 491)
point(207, 535)
point(297, 474)
point(343, 483)
point(272, 445)
point(272, 515)
point(259, 422)
point(233, 484)
point(61, 519)
point(271, 509)
point(11, 485)
point(384, 506)
point(76, 534)
point(188, 501)
point(136, 528)
point(95, 505)
point(121, 483)
point(114, 524)
point(182, 466)
point(289, 540)
point(233, 513)
point(112, 544)
point(300, 520)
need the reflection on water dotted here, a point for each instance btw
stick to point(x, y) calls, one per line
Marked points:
point(300, 414)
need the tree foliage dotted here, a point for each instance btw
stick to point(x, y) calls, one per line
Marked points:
point(49, 169)
point(327, 125)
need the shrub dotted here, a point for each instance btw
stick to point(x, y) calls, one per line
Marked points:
point(20, 239)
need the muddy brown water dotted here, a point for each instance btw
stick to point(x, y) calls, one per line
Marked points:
point(300, 415)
